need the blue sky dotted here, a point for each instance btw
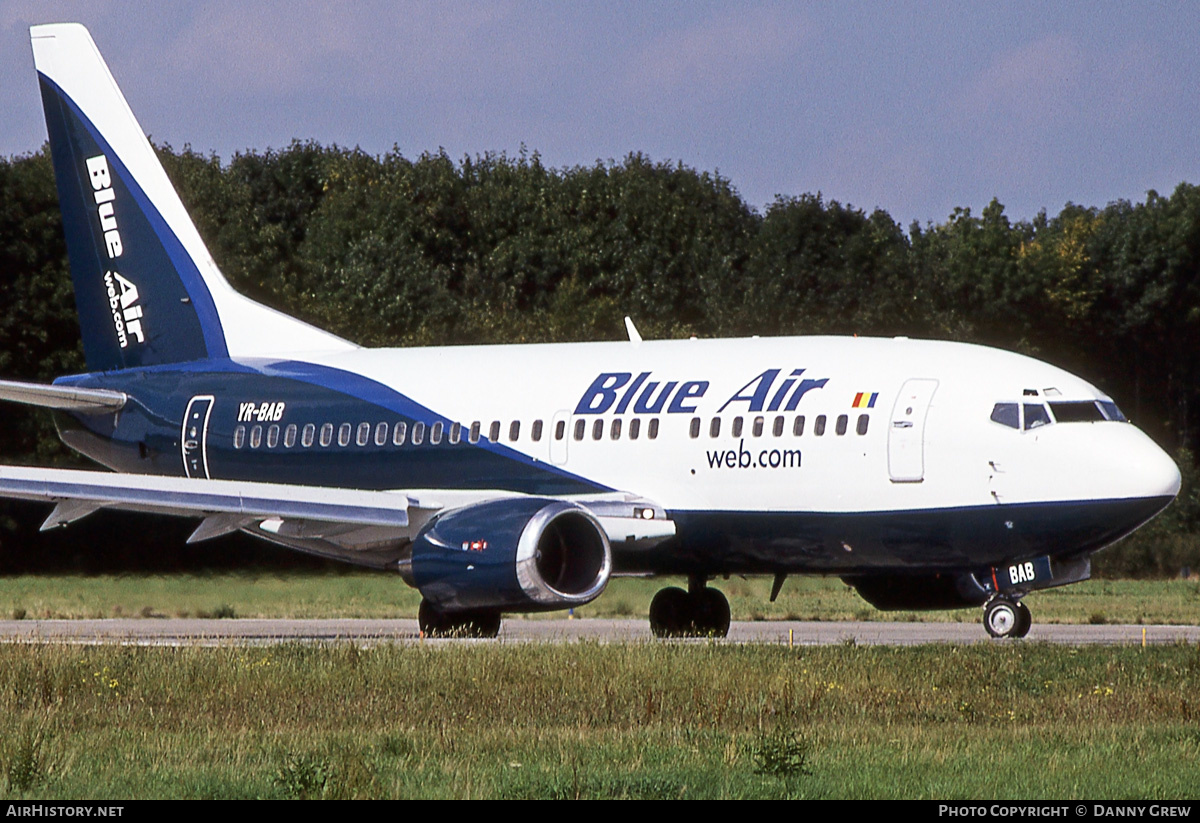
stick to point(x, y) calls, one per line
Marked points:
point(915, 108)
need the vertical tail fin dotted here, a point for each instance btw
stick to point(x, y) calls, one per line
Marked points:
point(146, 288)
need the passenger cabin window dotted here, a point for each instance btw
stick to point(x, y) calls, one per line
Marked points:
point(777, 426)
point(536, 434)
point(1006, 414)
point(863, 421)
point(455, 433)
point(289, 436)
point(435, 433)
point(514, 430)
point(344, 434)
point(381, 434)
point(840, 426)
point(418, 433)
point(635, 428)
point(615, 430)
point(309, 436)
point(273, 436)
point(1036, 416)
point(737, 427)
point(473, 434)
point(326, 434)
point(694, 431)
point(494, 431)
point(652, 430)
point(399, 433)
point(363, 437)
point(239, 437)
point(758, 427)
point(714, 428)
point(560, 429)
point(597, 429)
point(798, 425)
point(819, 425)
point(580, 425)
point(256, 437)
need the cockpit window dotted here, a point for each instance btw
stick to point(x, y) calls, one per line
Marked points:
point(1077, 412)
point(1007, 414)
point(1111, 412)
point(1035, 416)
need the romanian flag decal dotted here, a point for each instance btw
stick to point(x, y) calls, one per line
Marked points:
point(865, 400)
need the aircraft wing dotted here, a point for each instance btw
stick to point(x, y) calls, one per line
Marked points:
point(225, 505)
point(66, 398)
point(336, 522)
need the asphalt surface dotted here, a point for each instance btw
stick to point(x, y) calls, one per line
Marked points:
point(189, 632)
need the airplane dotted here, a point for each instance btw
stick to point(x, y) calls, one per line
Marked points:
point(522, 478)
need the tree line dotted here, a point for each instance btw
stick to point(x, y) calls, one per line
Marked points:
point(392, 250)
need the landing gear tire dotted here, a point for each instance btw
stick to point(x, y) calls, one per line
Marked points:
point(669, 612)
point(677, 613)
point(437, 623)
point(712, 618)
point(1024, 620)
point(1002, 618)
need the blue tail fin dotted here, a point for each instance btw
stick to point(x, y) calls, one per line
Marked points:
point(146, 287)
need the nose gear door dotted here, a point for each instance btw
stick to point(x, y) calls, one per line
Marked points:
point(194, 437)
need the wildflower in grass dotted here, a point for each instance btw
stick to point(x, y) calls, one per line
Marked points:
point(105, 682)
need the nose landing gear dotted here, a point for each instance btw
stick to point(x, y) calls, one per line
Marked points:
point(1004, 616)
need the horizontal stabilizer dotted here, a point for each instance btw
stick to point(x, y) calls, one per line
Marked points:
point(66, 398)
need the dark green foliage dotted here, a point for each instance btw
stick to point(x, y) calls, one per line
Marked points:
point(303, 777)
point(818, 268)
point(39, 332)
point(391, 250)
point(781, 753)
point(25, 764)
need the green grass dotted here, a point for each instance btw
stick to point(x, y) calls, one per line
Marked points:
point(381, 595)
point(586, 720)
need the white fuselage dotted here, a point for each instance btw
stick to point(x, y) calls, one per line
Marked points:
point(953, 456)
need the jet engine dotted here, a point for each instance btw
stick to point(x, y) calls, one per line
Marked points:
point(518, 554)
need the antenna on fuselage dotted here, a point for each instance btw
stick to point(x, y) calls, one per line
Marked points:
point(634, 337)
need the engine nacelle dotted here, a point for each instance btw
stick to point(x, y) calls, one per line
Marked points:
point(518, 554)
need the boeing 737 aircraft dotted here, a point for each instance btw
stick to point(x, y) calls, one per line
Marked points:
point(521, 478)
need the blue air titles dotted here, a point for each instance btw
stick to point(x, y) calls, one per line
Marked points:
point(619, 391)
point(123, 295)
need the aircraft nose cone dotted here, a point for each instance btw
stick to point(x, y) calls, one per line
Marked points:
point(1153, 471)
point(1168, 474)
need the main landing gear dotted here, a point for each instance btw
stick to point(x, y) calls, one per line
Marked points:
point(1004, 616)
point(697, 612)
point(436, 623)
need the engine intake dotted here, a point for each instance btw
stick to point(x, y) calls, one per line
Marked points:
point(517, 554)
